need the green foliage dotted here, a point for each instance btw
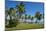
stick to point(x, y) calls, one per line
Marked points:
point(21, 8)
point(38, 15)
point(32, 18)
point(12, 22)
point(29, 16)
point(25, 16)
point(11, 12)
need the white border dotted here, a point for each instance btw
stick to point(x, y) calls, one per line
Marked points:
point(2, 15)
point(29, 0)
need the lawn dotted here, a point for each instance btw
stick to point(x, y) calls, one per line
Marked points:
point(29, 26)
point(24, 26)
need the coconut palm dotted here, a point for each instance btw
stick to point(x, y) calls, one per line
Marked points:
point(32, 19)
point(25, 16)
point(21, 9)
point(29, 16)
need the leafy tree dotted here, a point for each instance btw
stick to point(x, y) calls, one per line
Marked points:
point(6, 14)
point(11, 13)
point(38, 16)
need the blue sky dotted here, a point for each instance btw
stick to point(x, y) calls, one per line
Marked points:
point(30, 7)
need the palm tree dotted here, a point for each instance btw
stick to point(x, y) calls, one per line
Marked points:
point(21, 9)
point(29, 16)
point(32, 19)
point(25, 16)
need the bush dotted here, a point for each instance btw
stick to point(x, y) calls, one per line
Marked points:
point(13, 23)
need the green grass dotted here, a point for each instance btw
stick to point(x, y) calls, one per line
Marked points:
point(29, 26)
point(24, 26)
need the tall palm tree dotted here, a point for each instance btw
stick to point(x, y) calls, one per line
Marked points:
point(21, 9)
point(29, 16)
point(25, 16)
point(32, 19)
